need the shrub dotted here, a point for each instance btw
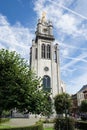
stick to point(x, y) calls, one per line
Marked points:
point(48, 121)
point(82, 125)
point(3, 120)
point(6, 114)
point(64, 124)
point(84, 116)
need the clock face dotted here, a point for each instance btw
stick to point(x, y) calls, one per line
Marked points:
point(46, 68)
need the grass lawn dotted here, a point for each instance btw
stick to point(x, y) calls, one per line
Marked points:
point(48, 128)
point(4, 126)
point(3, 123)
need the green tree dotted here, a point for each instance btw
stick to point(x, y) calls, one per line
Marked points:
point(62, 103)
point(19, 86)
point(47, 104)
point(42, 103)
point(83, 106)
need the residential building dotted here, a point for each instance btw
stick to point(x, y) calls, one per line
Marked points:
point(82, 94)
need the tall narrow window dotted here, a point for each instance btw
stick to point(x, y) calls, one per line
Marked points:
point(55, 56)
point(62, 89)
point(30, 55)
point(48, 51)
point(35, 53)
point(43, 51)
point(46, 83)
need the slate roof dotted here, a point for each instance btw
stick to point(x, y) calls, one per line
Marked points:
point(83, 88)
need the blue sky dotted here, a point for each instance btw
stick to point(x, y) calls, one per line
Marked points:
point(18, 19)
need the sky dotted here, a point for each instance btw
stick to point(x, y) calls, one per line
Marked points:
point(18, 20)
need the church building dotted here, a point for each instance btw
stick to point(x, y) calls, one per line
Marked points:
point(44, 57)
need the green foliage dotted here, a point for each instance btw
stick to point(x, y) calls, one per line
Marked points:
point(64, 124)
point(41, 103)
point(62, 103)
point(83, 106)
point(19, 86)
point(81, 125)
point(13, 80)
point(48, 121)
point(47, 105)
point(6, 113)
point(34, 127)
point(3, 120)
point(48, 128)
point(2, 127)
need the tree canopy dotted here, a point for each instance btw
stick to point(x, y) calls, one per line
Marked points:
point(62, 103)
point(19, 86)
point(83, 106)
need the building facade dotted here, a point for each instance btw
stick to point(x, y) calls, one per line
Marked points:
point(44, 57)
point(63, 86)
point(74, 104)
point(85, 93)
point(80, 97)
point(82, 94)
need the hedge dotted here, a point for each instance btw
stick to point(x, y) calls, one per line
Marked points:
point(81, 125)
point(3, 120)
point(64, 124)
point(38, 126)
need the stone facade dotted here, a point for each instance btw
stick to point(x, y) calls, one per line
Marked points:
point(44, 58)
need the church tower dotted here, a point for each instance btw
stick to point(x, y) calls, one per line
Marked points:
point(44, 57)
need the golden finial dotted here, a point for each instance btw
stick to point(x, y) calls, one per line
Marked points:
point(43, 16)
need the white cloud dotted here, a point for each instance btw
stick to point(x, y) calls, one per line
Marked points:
point(75, 60)
point(67, 22)
point(70, 28)
point(17, 37)
point(3, 21)
point(75, 86)
point(70, 25)
point(81, 7)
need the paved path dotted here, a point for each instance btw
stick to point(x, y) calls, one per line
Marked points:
point(22, 121)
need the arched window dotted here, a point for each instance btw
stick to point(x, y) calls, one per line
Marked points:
point(36, 53)
point(46, 83)
point(55, 56)
point(48, 51)
point(43, 51)
point(62, 89)
point(30, 55)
